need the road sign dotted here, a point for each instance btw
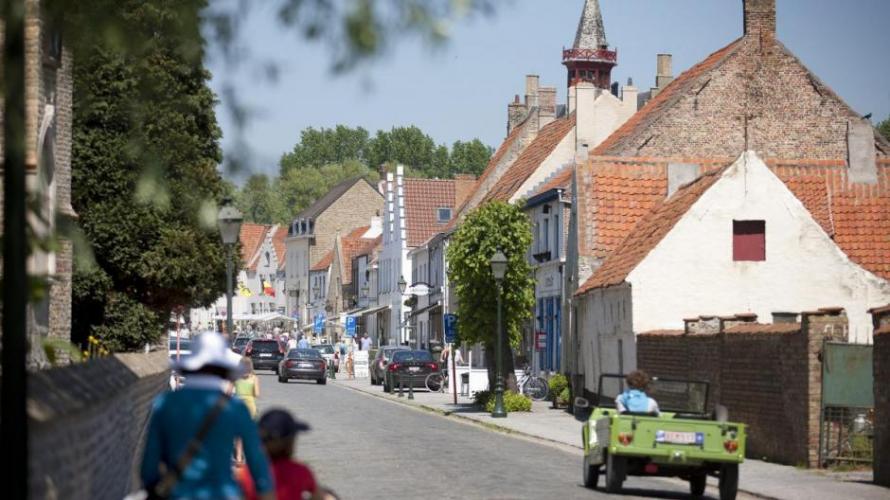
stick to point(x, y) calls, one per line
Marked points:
point(319, 323)
point(450, 328)
point(350, 326)
point(540, 341)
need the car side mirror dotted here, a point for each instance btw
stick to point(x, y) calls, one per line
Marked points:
point(582, 409)
point(721, 413)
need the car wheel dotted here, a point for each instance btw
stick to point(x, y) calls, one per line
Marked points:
point(697, 484)
point(591, 473)
point(321, 381)
point(616, 467)
point(729, 481)
point(282, 379)
point(386, 387)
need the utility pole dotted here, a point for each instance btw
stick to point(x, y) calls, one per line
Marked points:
point(13, 417)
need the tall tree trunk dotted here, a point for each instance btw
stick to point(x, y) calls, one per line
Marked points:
point(509, 370)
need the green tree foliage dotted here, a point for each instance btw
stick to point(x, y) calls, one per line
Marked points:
point(492, 226)
point(144, 172)
point(884, 128)
point(470, 157)
point(320, 147)
point(258, 200)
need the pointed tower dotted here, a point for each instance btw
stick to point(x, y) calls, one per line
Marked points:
point(589, 59)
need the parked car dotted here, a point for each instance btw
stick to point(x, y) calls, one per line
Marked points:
point(384, 356)
point(302, 364)
point(327, 352)
point(409, 368)
point(265, 353)
point(683, 439)
point(240, 343)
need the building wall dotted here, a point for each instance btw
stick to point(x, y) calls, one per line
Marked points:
point(771, 381)
point(605, 333)
point(881, 356)
point(692, 269)
point(558, 158)
point(354, 209)
point(297, 276)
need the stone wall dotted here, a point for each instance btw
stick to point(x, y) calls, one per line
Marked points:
point(767, 375)
point(882, 395)
point(87, 425)
point(354, 209)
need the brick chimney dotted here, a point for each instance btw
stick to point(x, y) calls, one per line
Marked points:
point(760, 18)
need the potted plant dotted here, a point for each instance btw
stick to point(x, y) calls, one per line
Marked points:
point(559, 390)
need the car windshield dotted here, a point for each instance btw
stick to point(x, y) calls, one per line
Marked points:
point(325, 349)
point(402, 356)
point(184, 344)
point(680, 396)
point(240, 341)
point(387, 353)
point(303, 354)
point(265, 346)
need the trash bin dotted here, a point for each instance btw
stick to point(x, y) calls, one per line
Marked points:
point(465, 384)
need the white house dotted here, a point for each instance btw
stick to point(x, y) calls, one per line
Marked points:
point(742, 238)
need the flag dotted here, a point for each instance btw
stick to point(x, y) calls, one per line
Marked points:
point(243, 290)
point(267, 289)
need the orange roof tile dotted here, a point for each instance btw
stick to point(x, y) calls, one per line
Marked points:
point(324, 262)
point(648, 231)
point(352, 244)
point(251, 239)
point(530, 159)
point(665, 99)
point(278, 242)
point(423, 198)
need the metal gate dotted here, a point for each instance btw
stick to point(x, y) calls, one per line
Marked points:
point(847, 422)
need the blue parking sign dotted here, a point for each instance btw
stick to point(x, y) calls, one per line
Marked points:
point(450, 328)
point(319, 323)
point(350, 326)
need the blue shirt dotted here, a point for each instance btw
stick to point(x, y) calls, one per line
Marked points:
point(303, 343)
point(175, 419)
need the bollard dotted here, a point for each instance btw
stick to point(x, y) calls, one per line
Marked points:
point(331, 372)
point(401, 384)
point(410, 387)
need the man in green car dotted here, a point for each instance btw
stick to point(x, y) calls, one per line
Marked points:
point(634, 398)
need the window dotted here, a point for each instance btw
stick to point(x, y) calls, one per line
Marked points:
point(443, 214)
point(748, 240)
point(546, 241)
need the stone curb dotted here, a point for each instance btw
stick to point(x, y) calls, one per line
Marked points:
point(507, 430)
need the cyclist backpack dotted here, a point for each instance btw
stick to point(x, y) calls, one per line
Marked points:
point(635, 401)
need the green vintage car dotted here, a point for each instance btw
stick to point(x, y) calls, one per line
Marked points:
point(684, 440)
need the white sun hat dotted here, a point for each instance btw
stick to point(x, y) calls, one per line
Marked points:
point(210, 349)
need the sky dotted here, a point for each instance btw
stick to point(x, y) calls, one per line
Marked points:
point(460, 91)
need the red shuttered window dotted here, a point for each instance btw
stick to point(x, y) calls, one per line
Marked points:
point(748, 240)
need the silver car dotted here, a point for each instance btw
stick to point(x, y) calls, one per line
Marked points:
point(384, 356)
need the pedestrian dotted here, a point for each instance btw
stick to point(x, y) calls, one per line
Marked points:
point(291, 343)
point(247, 387)
point(191, 431)
point(366, 342)
point(293, 480)
point(350, 365)
point(304, 343)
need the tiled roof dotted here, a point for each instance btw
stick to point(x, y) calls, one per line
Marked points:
point(329, 198)
point(423, 198)
point(561, 180)
point(857, 216)
point(251, 238)
point(649, 231)
point(530, 159)
point(665, 99)
point(324, 262)
point(278, 242)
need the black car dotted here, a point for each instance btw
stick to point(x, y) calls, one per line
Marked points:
point(383, 357)
point(302, 364)
point(265, 353)
point(409, 368)
point(240, 343)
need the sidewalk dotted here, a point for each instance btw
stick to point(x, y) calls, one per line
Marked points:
point(758, 478)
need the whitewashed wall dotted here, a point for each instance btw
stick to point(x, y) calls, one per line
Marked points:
point(605, 333)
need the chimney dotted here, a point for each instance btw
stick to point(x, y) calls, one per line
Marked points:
point(630, 95)
point(785, 317)
point(861, 157)
point(516, 113)
point(585, 119)
point(546, 105)
point(531, 90)
point(463, 188)
point(570, 99)
point(680, 174)
point(760, 18)
point(664, 73)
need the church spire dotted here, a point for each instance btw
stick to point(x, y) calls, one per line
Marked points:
point(589, 59)
point(591, 34)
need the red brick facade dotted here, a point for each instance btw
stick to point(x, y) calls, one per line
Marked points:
point(768, 376)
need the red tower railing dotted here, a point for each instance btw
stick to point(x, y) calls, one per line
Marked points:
point(597, 55)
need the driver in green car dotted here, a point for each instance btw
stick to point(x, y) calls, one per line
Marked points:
point(634, 398)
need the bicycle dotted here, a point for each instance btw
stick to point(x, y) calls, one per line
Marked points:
point(437, 382)
point(533, 386)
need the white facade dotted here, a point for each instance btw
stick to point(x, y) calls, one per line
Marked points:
point(297, 276)
point(691, 271)
point(393, 262)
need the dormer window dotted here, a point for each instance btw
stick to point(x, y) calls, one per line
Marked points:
point(443, 214)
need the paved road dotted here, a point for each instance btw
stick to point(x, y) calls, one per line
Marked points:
point(366, 448)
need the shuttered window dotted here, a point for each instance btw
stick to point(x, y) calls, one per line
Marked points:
point(748, 240)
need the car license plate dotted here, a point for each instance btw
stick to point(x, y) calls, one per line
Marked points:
point(413, 369)
point(674, 437)
point(304, 365)
point(265, 355)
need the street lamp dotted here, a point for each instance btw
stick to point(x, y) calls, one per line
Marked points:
point(229, 221)
point(403, 285)
point(498, 270)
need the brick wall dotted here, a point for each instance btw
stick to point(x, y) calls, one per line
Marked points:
point(87, 425)
point(354, 209)
point(882, 395)
point(768, 376)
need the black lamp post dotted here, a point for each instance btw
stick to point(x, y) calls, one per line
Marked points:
point(229, 221)
point(498, 270)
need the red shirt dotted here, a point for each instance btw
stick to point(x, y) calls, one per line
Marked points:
point(292, 480)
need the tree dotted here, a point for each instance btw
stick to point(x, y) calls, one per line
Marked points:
point(884, 128)
point(144, 173)
point(325, 146)
point(469, 157)
point(406, 145)
point(258, 200)
point(493, 226)
point(300, 188)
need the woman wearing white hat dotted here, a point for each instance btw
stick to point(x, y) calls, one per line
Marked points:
point(192, 430)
